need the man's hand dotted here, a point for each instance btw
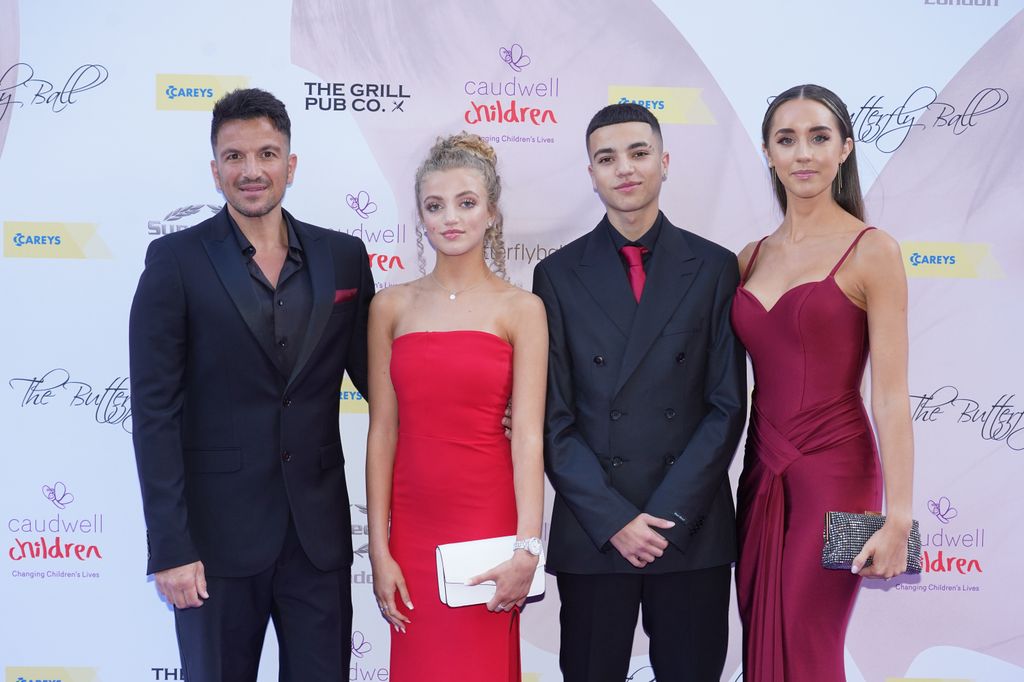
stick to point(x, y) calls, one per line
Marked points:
point(183, 586)
point(638, 542)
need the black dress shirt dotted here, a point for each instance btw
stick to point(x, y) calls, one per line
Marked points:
point(284, 310)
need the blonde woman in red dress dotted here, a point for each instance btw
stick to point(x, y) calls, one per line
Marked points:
point(447, 352)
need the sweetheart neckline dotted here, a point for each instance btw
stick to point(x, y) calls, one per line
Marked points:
point(768, 311)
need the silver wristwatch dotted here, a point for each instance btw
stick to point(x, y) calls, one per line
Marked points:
point(532, 545)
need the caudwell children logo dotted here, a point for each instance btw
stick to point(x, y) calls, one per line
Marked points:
point(515, 99)
point(64, 539)
point(952, 545)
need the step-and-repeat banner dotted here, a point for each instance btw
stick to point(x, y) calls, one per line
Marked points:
point(104, 147)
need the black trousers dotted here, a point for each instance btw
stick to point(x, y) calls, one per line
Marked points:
point(685, 615)
point(221, 640)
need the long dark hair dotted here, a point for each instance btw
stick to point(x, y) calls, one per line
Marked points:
point(849, 196)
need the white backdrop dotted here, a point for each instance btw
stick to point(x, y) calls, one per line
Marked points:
point(104, 122)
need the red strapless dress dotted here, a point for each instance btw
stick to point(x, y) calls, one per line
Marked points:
point(810, 449)
point(452, 482)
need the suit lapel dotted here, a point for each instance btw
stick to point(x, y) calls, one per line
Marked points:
point(317, 253)
point(670, 273)
point(222, 248)
point(602, 274)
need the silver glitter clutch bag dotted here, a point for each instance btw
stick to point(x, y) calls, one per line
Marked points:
point(846, 534)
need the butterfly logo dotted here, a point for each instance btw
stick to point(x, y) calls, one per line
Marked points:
point(58, 494)
point(943, 509)
point(645, 674)
point(360, 647)
point(361, 204)
point(514, 56)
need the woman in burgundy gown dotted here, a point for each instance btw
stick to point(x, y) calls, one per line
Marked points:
point(447, 352)
point(814, 296)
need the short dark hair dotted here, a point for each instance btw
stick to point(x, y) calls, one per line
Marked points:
point(250, 103)
point(847, 194)
point(626, 112)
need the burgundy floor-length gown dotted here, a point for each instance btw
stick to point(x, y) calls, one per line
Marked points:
point(810, 449)
point(452, 482)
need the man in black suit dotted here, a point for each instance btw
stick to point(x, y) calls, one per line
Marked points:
point(240, 332)
point(646, 403)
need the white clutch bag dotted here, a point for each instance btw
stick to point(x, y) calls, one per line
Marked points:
point(457, 562)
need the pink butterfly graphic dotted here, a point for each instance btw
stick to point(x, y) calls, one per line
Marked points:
point(943, 509)
point(514, 57)
point(360, 647)
point(361, 204)
point(58, 494)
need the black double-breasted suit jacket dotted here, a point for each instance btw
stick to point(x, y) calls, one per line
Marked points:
point(646, 401)
point(228, 447)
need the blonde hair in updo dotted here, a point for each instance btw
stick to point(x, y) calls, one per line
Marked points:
point(467, 150)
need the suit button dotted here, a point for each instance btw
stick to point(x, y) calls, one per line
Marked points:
point(614, 415)
point(287, 402)
point(670, 413)
point(681, 358)
point(599, 360)
point(286, 456)
point(670, 460)
point(616, 461)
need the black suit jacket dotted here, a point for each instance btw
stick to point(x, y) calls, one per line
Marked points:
point(646, 402)
point(227, 447)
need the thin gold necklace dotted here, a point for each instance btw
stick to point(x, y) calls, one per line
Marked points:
point(452, 293)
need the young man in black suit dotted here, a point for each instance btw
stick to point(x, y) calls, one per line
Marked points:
point(240, 332)
point(646, 403)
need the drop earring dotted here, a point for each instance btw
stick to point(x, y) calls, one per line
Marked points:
point(840, 175)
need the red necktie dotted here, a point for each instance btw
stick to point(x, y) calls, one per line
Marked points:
point(637, 276)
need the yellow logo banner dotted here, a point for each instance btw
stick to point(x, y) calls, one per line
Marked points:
point(669, 105)
point(31, 673)
point(352, 401)
point(194, 91)
point(53, 240)
point(954, 260)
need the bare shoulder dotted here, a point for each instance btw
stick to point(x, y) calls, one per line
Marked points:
point(880, 243)
point(391, 300)
point(523, 312)
point(878, 249)
point(878, 264)
point(745, 254)
point(525, 303)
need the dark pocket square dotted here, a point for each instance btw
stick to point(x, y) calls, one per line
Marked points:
point(342, 295)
